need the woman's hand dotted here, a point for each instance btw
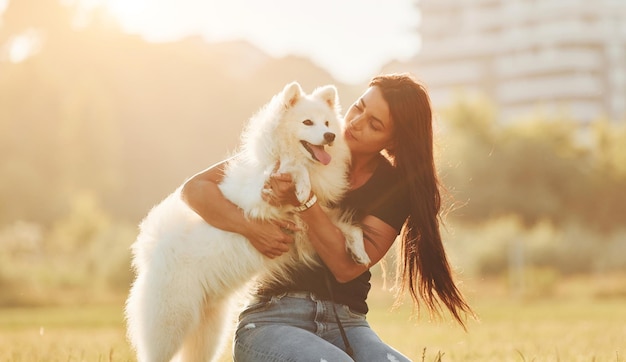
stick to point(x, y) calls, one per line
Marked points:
point(271, 239)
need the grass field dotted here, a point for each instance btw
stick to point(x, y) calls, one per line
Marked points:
point(559, 328)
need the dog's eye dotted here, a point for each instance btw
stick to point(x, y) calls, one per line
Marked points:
point(327, 123)
point(307, 122)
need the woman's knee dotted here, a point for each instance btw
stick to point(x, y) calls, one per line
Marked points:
point(274, 343)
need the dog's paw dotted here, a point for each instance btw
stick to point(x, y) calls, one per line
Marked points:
point(301, 180)
point(360, 256)
point(356, 247)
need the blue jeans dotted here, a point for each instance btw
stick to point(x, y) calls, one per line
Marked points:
point(298, 327)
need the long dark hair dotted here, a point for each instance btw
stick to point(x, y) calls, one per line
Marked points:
point(423, 266)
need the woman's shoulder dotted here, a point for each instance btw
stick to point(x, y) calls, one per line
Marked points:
point(383, 196)
point(385, 175)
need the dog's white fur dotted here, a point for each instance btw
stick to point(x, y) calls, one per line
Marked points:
point(188, 271)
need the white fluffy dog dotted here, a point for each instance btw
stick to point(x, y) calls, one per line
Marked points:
point(188, 271)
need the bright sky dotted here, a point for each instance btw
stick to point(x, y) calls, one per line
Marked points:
point(351, 39)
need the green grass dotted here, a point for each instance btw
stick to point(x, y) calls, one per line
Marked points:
point(559, 328)
point(554, 330)
point(87, 333)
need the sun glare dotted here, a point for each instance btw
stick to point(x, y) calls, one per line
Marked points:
point(154, 23)
point(342, 40)
point(22, 46)
point(127, 11)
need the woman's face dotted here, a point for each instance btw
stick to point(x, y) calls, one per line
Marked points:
point(369, 128)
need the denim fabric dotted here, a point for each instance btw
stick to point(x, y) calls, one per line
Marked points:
point(299, 327)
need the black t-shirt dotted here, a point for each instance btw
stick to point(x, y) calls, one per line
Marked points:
point(382, 196)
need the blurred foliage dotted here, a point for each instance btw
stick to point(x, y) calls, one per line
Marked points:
point(537, 168)
point(536, 199)
point(98, 126)
point(497, 246)
point(82, 257)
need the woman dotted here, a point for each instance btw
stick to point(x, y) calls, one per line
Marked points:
point(394, 190)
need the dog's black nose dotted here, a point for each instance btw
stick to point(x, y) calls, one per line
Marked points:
point(329, 136)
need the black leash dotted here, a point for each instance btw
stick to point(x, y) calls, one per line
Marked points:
point(349, 350)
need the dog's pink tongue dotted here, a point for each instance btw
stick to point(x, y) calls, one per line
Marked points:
point(321, 154)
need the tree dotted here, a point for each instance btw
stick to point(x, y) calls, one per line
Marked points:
point(536, 168)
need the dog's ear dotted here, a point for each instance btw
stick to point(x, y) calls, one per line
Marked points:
point(328, 94)
point(291, 93)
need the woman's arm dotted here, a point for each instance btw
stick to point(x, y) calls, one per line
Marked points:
point(202, 194)
point(330, 243)
point(328, 240)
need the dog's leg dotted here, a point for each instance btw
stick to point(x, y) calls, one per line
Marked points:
point(144, 314)
point(162, 308)
point(207, 341)
point(354, 243)
point(300, 177)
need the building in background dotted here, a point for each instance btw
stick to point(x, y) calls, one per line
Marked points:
point(527, 56)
